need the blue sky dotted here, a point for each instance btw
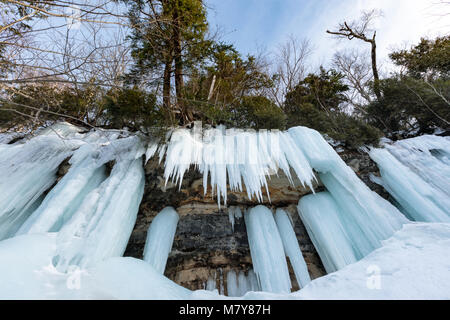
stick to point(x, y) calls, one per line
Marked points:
point(250, 24)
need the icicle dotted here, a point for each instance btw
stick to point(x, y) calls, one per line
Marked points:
point(231, 218)
point(420, 200)
point(211, 283)
point(160, 237)
point(65, 198)
point(232, 284)
point(291, 247)
point(233, 214)
point(151, 150)
point(27, 170)
point(243, 287)
point(320, 215)
point(102, 225)
point(266, 248)
point(242, 156)
point(253, 281)
point(86, 173)
point(221, 282)
point(368, 218)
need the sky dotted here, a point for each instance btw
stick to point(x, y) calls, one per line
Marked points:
point(264, 24)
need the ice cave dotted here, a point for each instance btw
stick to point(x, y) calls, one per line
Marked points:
point(71, 204)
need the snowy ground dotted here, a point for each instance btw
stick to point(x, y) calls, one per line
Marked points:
point(413, 264)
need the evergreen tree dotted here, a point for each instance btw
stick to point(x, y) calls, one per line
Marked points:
point(169, 38)
point(416, 100)
point(316, 102)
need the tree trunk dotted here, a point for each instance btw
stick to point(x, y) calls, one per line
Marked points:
point(186, 114)
point(376, 77)
point(166, 88)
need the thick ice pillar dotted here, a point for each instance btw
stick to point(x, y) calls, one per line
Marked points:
point(320, 215)
point(292, 248)
point(65, 198)
point(266, 248)
point(160, 237)
point(103, 223)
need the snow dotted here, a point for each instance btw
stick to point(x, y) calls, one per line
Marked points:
point(413, 264)
point(266, 249)
point(129, 278)
point(160, 237)
point(291, 247)
point(416, 172)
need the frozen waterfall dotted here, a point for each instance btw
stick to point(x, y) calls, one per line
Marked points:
point(416, 172)
point(248, 158)
point(160, 237)
point(91, 210)
point(102, 225)
point(321, 217)
point(291, 247)
point(367, 217)
point(266, 249)
point(87, 215)
point(27, 170)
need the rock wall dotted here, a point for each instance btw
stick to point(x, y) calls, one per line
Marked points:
point(206, 246)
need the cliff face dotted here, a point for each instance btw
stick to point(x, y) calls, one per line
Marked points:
point(207, 246)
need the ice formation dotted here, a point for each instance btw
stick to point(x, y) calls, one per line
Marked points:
point(160, 237)
point(103, 224)
point(233, 214)
point(266, 249)
point(291, 247)
point(367, 218)
point(211, 283)
point(84, 220)
point(247, 158)
point(238, 284)
point(242, 156)
point(92, 211)
point(416, 172)
point(27, 170)
point(320, 215)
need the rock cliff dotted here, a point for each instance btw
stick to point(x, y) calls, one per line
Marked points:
point(207, 246)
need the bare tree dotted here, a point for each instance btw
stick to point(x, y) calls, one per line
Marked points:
point(353, 64)
point(59, 44)
point(362, 30)
point(291, 67)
